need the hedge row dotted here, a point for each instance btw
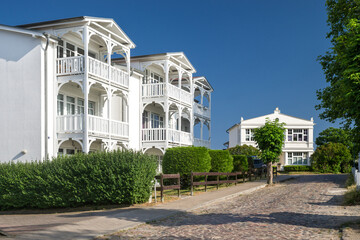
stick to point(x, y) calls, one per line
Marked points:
point(221, 161)
point(122, 177)
point(297, 168)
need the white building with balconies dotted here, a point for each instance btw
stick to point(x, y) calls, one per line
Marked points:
point(298, 145)
point(70, 86)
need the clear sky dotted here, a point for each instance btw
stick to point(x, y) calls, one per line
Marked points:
point(257, 54)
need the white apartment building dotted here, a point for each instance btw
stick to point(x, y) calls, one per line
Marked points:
point(299, 142)
point(71, 85)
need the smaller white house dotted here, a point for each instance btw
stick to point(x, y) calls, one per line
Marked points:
point(299, 142)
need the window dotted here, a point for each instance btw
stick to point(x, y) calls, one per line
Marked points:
point(145, 120)
point(73, 105)
point(297, 158)
point(156, 121)
point(70, 105)
point(249, 134)
point(151, 77)
point(70, 50)
point(60, 49)
point(91, 108)
point(63, 152)
point(60, 104)
point(297, 135)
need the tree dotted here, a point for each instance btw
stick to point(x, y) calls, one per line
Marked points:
point(270, 140)
point(341, 64)
point(335, 135)
point(331, 157)
point(246, 150)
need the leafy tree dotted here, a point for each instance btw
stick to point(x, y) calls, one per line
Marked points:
point(246, 150)
point(341, 64)
point(331, 157)
point(270, 140)
point(335, 135)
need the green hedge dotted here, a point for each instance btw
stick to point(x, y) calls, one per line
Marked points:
point(121, 177)
point(185, 160)
point(297, 168)
point(240, 163)
point(221, 161)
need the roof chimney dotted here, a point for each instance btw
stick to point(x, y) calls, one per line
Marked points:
point(277, 111)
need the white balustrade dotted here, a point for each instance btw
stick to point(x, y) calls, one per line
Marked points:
point(201, 110)
point(98, 68)
point(70, 65)
point(97, 125)
point(186, 138)
point(75, 65)
point(174, 136)
point(186, 97)
point(120, 129)
point(153, 90)
point(158, 90)
point(174, 91)
point(69, 123)
point(119, 76)
point(201, 143)
point(153, 134)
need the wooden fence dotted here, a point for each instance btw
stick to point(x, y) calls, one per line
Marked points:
point(163, 187)
point(234, 177)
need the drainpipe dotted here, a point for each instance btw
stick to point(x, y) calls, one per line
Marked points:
point(46, 95)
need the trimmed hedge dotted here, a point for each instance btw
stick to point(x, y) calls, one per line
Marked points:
point(297, 168)
point(121, 177)
point(185, 160)
point(221, 161)
point(240, 163)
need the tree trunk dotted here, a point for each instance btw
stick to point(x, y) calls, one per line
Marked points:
point(269, 173)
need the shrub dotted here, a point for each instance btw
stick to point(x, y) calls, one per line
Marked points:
point(221, 161)
point(331, 157)
point(120, 177)
point(297, 168)
point(246, 150)
point(185, 160)
point(240, 163)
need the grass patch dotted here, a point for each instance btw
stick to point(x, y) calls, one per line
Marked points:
point(352, 196)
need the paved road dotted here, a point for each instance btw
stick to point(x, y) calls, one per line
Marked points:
point(308, 207)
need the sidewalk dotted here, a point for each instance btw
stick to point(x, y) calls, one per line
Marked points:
point(87, 225)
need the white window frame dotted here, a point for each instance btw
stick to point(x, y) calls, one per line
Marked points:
point(62, 44)
point(79, 108)
point(297, 158)
point(294, 134)
point(249, 134)
point(152, 77)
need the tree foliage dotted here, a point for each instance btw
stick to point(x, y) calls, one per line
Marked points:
point(341, 64)
point(335, 135)
point(270, 140)
point(331, 157)
point(246, 150)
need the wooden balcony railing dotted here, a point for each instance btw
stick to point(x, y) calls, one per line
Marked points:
point(96, 125)
point(150, 90)
point(201, 110)
point(75, 66)
point(159, 134)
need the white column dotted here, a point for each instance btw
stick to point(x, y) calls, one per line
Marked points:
point(201, 128)
point(166, 68)
point(86, 90)
point(191, 112)
point(180, 110)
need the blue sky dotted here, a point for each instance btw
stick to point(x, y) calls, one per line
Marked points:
point(257, 54)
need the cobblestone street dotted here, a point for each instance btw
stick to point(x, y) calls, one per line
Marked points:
point(308, 207)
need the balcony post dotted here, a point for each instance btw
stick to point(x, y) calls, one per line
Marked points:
point(191, 109)
point(180, 111)
point(109, 92)
point(166, 69)
point(86, 89)
point(201, 128)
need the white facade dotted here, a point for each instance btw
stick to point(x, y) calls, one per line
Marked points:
point(299, 142)
point(52, 71)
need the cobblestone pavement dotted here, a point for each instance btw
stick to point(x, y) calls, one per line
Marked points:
point(308, 207)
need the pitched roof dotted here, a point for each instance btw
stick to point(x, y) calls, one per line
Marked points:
point(107, 23)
